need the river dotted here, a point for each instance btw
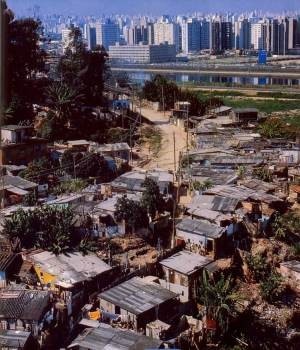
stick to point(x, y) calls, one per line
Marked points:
point(198, 79)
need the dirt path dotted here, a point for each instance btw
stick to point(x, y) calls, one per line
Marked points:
point(165, 158)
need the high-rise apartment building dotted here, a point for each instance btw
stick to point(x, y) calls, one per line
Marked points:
point(242, 35)
point(226, 36)
point(260, 36)
point(165, 32)
point(204, 35)
point(65, 38)
point(215, 36)
point(191, 35)
point(90, 33)
point(107, 34)
point(283, 35)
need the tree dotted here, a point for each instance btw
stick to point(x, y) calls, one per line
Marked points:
point(275, 128)
point(152, 200)
point(202, 186)
point(37, 170)
point(22, 228)
point(219, 298)
point(241, 171)
point(71, 186)
point(84, 70)
point(87, 165)
point(63, 100)
point(134, 215)
point(286, 227)
point(49, 228)
point(25, 58)
point(262, 173)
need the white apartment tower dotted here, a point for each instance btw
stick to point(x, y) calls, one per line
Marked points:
point(165, 32)
point(260, 36)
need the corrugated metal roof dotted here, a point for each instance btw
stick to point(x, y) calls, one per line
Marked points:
point(72, 268)
point(23, 304)
point(13, 339)
point(19, 182)
point(201, 228)
point(137, 296)
point(186, 262)
point(6, 259)
point(243, 193)
point(293, 265)
point(224, 204)
point(104, 338)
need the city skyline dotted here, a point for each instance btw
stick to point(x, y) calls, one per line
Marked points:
point(131, 7)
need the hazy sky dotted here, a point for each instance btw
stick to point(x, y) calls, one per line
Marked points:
point(96, 7)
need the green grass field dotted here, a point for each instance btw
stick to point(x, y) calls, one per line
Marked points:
point(266, 106)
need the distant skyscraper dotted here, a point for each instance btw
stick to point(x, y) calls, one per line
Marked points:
point(91, 37)
point(204, 35)
point(191, 35)
point(136, 35)
point(283, 35)
point(107, 34)
point(215, 36)
point(150, 29)
point(242, 35)
point(260, 36)
point(298, 34)
point(226, 36)
point(65, 38)
point(166, 32)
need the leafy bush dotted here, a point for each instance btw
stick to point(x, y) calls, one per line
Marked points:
point(271, 287)
point(258, 266)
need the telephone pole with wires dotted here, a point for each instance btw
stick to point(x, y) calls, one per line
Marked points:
point(3, 22)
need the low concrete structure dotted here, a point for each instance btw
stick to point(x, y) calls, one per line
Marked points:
point(184, 269)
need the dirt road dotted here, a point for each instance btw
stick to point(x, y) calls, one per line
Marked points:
point(165, 158)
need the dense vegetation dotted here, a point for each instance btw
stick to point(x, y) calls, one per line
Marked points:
point(266, 106)
point(166, 92)
point(49, 228)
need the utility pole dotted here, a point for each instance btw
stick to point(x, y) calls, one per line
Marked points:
point(74, 166)
point(130, 136)
point(163, 99)
point(3, 23)
point(175, 200)
point(188, 146)
point(174, 150)
point(140, 109)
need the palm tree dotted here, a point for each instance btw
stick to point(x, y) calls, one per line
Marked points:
point(219, 298)
point(63, 99)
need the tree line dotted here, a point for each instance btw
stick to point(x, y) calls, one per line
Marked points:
point(166, 92)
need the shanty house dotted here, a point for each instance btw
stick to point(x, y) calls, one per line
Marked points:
point(17, 340)
point(9, 263)
point(245, 115)
point(107, 338)
point(115, 150)
point(133, 181)
point(19, 147)
point(201, 236)
point(140, 302)
point(23, 309)
point(16, 188)
point(70, 276)
point(184, 269)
